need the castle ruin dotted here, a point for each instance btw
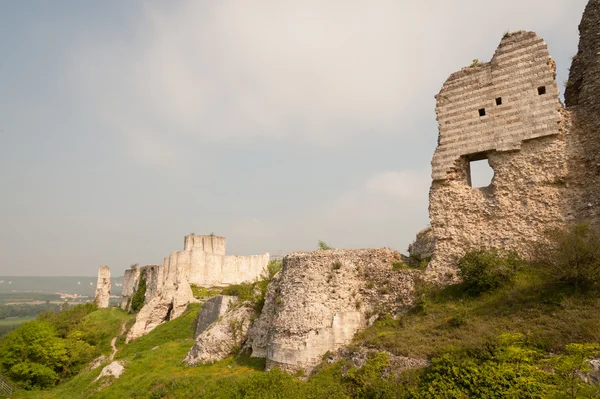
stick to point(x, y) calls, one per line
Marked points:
point(545, 156)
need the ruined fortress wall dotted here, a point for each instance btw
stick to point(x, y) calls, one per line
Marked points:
point(210, 244)
point(522, 133)
point(321, 299)
point(130, 283)
point(582, 98)
point(505, 91)
point(208, 266)
point(103, 287)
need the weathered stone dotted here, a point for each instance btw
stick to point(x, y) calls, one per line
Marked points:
point(212, 309)
point(322, 298)
point(114, 370)
point(423, 246)
point(168, 294)
point(103, 287)
point(220, 338)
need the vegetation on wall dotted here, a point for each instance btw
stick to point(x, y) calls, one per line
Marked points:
point(137, 301)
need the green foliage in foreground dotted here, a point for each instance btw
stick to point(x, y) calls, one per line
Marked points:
point(57, 345)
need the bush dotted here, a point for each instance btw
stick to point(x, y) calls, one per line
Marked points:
point(483, 270)
point(571, 256)
point(137, 301)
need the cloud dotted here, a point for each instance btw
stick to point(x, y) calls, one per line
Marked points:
point(274, 70)
point(383, 197)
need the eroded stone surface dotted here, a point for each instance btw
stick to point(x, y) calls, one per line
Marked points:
point(523, 135)
point(212, 309)
point(220, 338)
point(546, 158)
point(103, 287)
point(115, 369)
point(322, 298)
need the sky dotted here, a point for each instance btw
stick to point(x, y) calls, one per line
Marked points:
point(125, 126)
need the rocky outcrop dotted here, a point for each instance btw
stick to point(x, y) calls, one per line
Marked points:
point(226, 330)
point(322, 298)
point(103, 287)
point(114, 370)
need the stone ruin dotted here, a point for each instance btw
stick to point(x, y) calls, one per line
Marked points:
point(167, 287)
point(320, 299)
point(545, 156)
point(103, 286)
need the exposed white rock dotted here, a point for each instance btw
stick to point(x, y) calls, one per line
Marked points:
point(115, 369)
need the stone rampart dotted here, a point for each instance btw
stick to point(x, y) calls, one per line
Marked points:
point(204, 257)
point(321, 299)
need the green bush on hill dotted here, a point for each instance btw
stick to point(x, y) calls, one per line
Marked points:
point(483, 270)
point(137, 301)
point(572, 256)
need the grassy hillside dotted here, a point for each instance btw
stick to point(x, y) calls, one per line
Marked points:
point(539, 318)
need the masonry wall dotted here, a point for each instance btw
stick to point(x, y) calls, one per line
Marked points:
point(319, 301)
point(582, 98)
point(523, 135)
point(204, 257)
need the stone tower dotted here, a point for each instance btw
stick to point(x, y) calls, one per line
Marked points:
point(103, 287)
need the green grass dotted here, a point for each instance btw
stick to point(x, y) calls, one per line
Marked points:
point(551, 316)
point(443, 322)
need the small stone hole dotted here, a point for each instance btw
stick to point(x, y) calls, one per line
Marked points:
point(541, 90)
point(499, 101)
point(482, 112)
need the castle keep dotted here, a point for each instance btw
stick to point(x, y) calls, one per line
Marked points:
point(545, 157)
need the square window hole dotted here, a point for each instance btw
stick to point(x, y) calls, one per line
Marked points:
point(499, 101)
point(541, 90)
point(482, 112)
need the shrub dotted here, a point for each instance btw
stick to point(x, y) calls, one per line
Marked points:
point(323, 245)
point(483, 270)
point(571, 256)
point(137, 301)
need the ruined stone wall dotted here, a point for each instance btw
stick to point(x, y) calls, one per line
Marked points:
point(321, 299)
point(522, 133)
point(130, 283)
point(103, 287)
point(582, 98)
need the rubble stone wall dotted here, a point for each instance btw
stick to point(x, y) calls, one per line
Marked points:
point(545, 157)
point(320, 299)
point(523, 135)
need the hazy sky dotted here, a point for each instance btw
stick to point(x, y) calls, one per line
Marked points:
point(125, 125)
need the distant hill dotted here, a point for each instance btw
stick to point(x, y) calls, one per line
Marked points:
point(68, 285)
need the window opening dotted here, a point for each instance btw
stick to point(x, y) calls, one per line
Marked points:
point(541, 90)
point(482, 112)
point(499, 101)
point(481, 173)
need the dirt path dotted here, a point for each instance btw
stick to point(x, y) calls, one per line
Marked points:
point(113, 343)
